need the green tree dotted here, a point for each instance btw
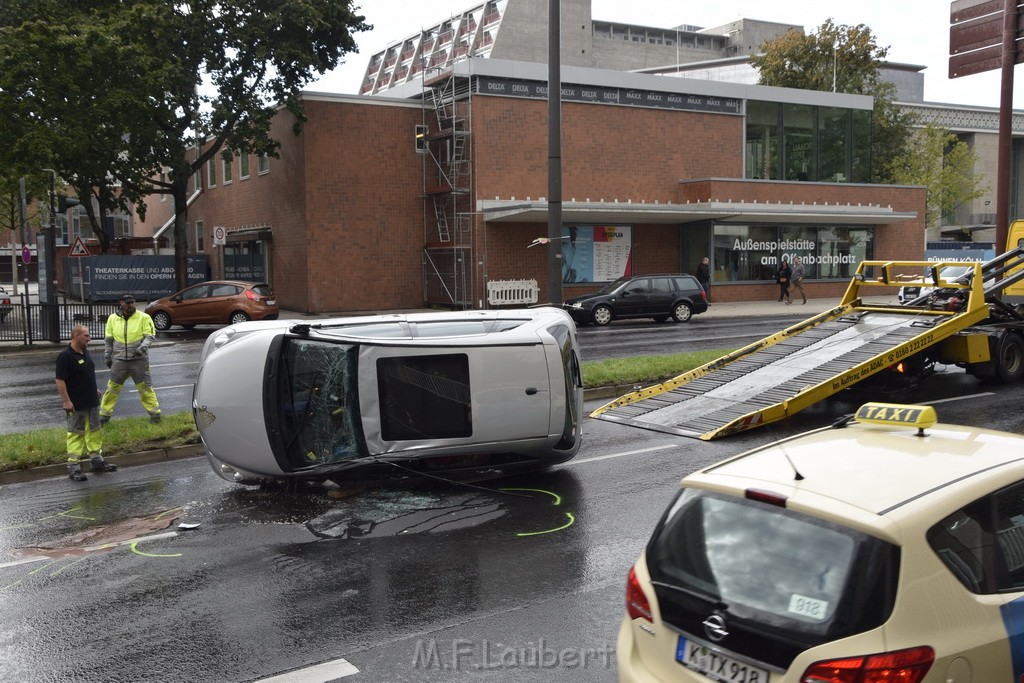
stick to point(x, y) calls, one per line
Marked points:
point(841, 59)
point(118, 95)
point(944, 164)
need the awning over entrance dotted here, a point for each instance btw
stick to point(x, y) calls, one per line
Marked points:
point(602, 212)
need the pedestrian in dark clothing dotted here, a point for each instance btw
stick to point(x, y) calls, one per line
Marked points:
point(798, 277)
point(76, 383)
point(783, 276)
point(704, 276)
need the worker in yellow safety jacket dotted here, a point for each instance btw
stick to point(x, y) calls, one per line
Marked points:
point(128, 337)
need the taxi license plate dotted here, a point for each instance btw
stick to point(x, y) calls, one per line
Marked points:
point(715, 665)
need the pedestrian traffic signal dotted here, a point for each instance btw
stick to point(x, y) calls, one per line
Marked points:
point(421, 138)
point(64, 203)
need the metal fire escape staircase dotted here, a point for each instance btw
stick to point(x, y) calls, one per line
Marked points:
point(447, 180)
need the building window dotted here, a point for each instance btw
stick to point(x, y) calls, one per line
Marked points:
point(211, 173)
point(762, 143)
point(197, 181)
point(751, 253)
point(243, 166)
point(227, 170)
point(798, 128)
point(200, 241)
point(263, 165)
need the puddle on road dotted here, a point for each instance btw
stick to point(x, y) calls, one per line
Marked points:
point(106, 535)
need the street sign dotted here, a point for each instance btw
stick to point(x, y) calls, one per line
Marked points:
point(79, 248)
point(976, 35)
point(26, 255)
point(219, 236)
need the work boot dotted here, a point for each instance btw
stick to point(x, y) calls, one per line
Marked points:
point(104, 419)
point(98, 464)
point(75, 472)
point(154, 418)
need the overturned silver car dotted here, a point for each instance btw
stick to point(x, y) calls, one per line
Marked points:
point(390, 394)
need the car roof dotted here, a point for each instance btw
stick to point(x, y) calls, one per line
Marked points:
point(865, 469)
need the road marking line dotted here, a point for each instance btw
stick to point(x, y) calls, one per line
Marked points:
point(957, 398)
point(618, 455)
point(318, 673)
point(131, 541)
point(27, 560)
point(175, 386)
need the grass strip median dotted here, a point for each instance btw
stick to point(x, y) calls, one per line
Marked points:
point(123, 436)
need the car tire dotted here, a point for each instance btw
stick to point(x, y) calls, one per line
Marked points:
point(161, 321)
point(682, 312)
point(660, 318)
point(238, 317)
point(601, 315)
point(1010, 359)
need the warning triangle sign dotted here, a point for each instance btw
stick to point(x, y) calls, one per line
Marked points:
point(79, 248)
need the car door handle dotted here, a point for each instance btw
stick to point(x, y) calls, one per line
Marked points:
point(530, 391)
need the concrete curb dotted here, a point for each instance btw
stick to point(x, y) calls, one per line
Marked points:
point(127, 460)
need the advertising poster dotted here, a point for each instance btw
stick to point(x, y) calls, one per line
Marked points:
point(596, 253)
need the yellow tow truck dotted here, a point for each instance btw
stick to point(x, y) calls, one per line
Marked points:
point(969, 321)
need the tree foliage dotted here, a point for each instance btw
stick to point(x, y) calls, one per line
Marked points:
point(944, 164)
point(843, 59)
point(118, 95)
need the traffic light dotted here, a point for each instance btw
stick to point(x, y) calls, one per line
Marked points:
point(421, 138)
point(64, 203)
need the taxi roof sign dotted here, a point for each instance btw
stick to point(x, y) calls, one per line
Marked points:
point(897, 414)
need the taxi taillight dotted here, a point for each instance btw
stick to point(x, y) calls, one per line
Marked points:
point(905, 666)
point(637, 606)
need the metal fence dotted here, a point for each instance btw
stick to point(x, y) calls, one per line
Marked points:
point(27, 323)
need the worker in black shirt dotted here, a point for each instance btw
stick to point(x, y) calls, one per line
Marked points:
point(76, 384)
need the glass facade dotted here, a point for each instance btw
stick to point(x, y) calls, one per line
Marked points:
point(751, 253)
point(805, 142)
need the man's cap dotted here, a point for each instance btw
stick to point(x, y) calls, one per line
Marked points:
point(127, 298)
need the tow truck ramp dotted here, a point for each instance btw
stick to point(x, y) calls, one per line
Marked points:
point(793, 369)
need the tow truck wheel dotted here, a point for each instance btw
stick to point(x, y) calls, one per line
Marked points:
point(1010, 358)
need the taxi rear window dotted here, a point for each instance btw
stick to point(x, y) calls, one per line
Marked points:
point(771, 568)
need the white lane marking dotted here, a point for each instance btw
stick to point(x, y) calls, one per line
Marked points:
point(139, 539)
point(318, 673)
point(618, 455)
point(958, 398)
point(167, 365)
point(173, 386)
point(27, 560)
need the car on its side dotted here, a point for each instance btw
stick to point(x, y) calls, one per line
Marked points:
point(5, 304)
point(909, 293)
point(390, 395)
point(218, 302)
point(883, 548)
point(659, 296)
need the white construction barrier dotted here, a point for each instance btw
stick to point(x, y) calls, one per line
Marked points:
point(512, 292)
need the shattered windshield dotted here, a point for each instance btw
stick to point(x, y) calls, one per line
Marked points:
point(318, 402)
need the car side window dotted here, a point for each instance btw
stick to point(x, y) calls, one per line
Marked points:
point(639, 286)
point(660, 285)
point(193, 293)
point(225, 290)
point(983, 544)
point(685, 284)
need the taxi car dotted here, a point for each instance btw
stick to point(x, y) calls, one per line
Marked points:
point(886, 547)
point(390, 394)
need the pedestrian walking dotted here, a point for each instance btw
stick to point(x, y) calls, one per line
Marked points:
point(798, 277)
point(704, 276)
point(75, 376)
point(128, 337)
point(783, 276)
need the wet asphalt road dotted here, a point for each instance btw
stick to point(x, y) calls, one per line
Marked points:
point(406, 581)
point(28, 399)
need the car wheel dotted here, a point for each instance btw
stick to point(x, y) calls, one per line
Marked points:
point(660, 318)
point(682, 312)
point(602, 315)
point(1010, 361)
point(238, 317)
point(161, 320)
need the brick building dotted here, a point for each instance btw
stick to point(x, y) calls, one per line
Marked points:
point(657, 172)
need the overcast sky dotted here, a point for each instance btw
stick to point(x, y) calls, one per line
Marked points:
point(915, 31)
